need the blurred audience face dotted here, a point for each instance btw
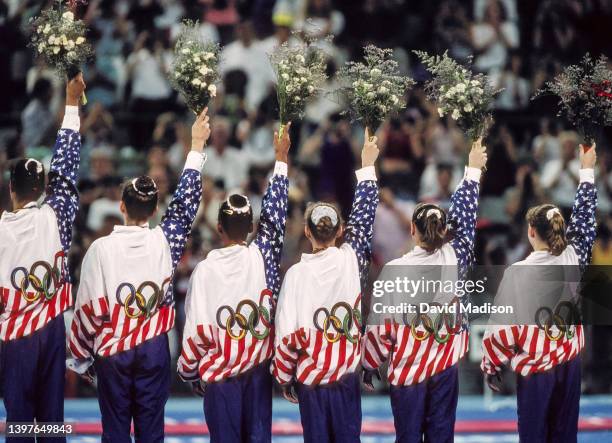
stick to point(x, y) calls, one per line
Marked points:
point(220, 133)
point(159, 175)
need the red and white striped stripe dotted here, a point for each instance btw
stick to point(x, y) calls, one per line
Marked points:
point(411, 361)
point(108, 330)
point(527, 349)
point(311, 359)
point(213, 355)
point(20, 318)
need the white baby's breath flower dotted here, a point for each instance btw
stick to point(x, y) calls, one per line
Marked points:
point(285, 76)
point(375, 72)
point(204, 70)
point(68, 15)
point(370, 95)
point(80, 40)
point(47, 28)
point(185, 51)
point(196, 81)
point(51, 40)
point(208, 55)
point(212, 90)
point(456, 114)
point(468, 108)
point(394, 99)
point(311, 89)
point(296, 98)
point(441, 112)
point(383, 90)
point(70, 44)
point(300, 58)
point(56, 49)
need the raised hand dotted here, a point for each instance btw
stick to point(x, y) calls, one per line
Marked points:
point(282, 144)
point(200, 131)
point(478, 155)
point(370, 151)
point(588, 156)
point(75, 89)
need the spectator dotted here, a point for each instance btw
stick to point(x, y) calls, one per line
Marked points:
point(37, 120)
point(224, 162)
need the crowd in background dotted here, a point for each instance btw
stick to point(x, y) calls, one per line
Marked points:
point(135, 123)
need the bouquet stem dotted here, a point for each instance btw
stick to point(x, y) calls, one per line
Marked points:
point(281, 130)
point(83, 99)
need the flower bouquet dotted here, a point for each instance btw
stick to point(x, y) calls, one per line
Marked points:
point(466, 96)
point(59, 38)
point(585, 96)
point(374, 88)
point(300, 72)
point(194, 69)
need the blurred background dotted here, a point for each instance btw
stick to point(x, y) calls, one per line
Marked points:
point(134, 123)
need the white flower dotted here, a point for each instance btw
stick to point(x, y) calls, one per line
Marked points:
point(185, 51)
point(441, 112)
point(300, 58)
point(196, 59)
point(460, 87)
point(212, 90)
point(311, 89)
point(80, 40)
point(468, 108)
point(370, 95)
point(475, 83)
point(394, 99)
point(382, 108)
point(203, 85)
point(196, 81)
point(302, 79)
point(47, 28)
point(383, 90)
point(285, 76)
point(456, 114)
point(296, 98)
point(41, 47)
point(204, 70)
point(56, 49)
point(68, 15)
point(375, 72)
point(51, 40)
point(356, 84)
point(208, 55)
point(71, 54)
point(289, 88)
point(367, 86)
point(70, 44)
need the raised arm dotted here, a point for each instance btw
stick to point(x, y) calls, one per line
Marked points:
point(176, 222)
point(464, 207)
point(359, 229)
point(273, 218)
point(581, 228)
point(61, 194)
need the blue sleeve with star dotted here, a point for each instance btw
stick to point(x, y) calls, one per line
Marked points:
point(271, 230)
point(462, 222)
point(581, 229)
point(61, 193)
point(359, 229)
point(176, 222)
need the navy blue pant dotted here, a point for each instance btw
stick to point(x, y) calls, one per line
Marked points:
point(548, 404)
point(33, 372)
point(134, 385)
point(239, 409)
point(331, 413)
point(426, 411)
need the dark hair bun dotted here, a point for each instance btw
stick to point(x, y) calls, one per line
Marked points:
point(238, 201)
point(27, 178)
point(145, 186)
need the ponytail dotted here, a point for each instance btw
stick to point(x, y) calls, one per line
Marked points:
point(430, 221)
point(549, 224)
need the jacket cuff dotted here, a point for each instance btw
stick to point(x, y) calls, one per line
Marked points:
point(364, 174)
point(587, 175)
point(280, 168)
point(71, 119)
point(472, 174)
point(195, 160)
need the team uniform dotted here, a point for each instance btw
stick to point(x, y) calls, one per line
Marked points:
point(318, 326)
point(422, 368)
point(228, 339)
point(35, 289)
point(124, 309)
point(547, 363)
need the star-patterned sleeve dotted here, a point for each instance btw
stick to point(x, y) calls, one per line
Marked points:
point(359, 229)
point(581, 229)
point(61, 193)
point(462, 218)
point(272, 222)
point(176, 222)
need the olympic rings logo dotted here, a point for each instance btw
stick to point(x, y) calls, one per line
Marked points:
point(563, 323)
point(452, 322)
point(134, 301)
point(247, 316)
point(46, 285)
point(342, 327)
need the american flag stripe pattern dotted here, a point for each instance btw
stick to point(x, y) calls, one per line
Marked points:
point(102, 328)
point(412, 361)
point(525, 348)
point(19, 317)
point(210, 353)
point(306, 355)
